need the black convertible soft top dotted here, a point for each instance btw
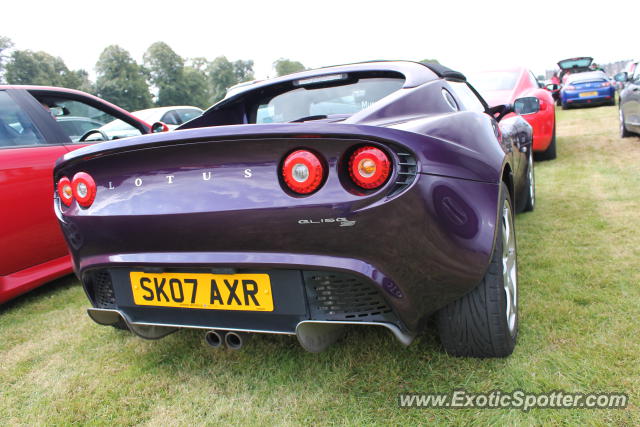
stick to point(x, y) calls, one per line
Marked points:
point(444, 72)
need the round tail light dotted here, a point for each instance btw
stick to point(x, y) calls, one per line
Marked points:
point(303, 172)
point(64, 191)
point(84, 189)
point(369, 167)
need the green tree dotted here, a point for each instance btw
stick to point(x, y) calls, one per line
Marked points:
point(166, 74)
point(40, 68)
point(285, 66)
point(79, 79)
point(433, 61)
point(121, 80)
point(5, 44)
point(199, 63)
point(195, 86)
point(222, 76)
point(243, 70)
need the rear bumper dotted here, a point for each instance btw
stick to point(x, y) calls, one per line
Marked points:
point(420, 251)
point(147, 330)
point(298, 295)
point(301, 298)
point(574, 98)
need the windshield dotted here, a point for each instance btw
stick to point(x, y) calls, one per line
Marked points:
point(349, 98)
point(494, 80)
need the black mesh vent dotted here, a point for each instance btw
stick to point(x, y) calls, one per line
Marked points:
point(103, 290)
point(407, 171)
point(338, 296)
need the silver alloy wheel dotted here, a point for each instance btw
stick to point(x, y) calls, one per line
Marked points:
point(532, 184)
point(509, 267)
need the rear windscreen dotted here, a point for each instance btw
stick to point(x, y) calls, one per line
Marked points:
point(494, 80)
point(595, 76)
point(340, 98)
point(575, 63)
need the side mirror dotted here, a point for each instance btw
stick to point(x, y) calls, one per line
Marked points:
point(158, 127)
point(621, 77)
point(499, 111)
point(57, 111)
point(551, 87)
point(527, 105)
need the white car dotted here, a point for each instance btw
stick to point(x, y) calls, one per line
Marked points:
point(172, 117)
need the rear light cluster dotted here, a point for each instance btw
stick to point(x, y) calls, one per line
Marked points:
point(369, 167)
point(304, 172)
point(82, 188)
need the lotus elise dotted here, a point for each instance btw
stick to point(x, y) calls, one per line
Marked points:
point(378, 193)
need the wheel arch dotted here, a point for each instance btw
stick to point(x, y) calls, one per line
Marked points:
point(507, 178)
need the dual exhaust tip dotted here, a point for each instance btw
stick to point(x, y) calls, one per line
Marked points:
point(313, 337)
point(233, 340)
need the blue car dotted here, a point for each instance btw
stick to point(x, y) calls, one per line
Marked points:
point(589, 88)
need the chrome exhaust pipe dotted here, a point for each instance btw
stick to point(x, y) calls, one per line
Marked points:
point(214, 338)
point(318, 336)
point(235, 340)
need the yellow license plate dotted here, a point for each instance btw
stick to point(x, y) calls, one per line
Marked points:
point(585, 94)
point(247, 292)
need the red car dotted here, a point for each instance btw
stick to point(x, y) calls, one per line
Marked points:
point(38, 125)
point(504, 86)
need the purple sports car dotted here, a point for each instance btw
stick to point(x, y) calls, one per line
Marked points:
point(378, 193)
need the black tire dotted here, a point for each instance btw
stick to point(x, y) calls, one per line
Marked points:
point(624, 133)
point(550, 152)
point(529, 198)
point(477, 324)
point(564, 106)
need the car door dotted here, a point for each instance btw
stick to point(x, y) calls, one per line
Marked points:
point(29, 146)
point(631, 105)
point(77, 106)
point(29, 232)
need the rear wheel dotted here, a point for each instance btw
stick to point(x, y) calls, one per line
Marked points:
point(564, 106)
point(484, 322)
point(624, 133)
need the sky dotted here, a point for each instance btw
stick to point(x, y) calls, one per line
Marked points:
point(465, 36)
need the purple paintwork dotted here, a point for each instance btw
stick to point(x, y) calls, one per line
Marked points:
point(423, 244)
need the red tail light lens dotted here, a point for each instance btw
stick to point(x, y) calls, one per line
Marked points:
point(570, 87)
point(369, 167)
point(303, 172)
point(64, 191)
point(606, 84)
point(84, 189)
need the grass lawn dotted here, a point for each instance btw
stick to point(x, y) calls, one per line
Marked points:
point(579, 255)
